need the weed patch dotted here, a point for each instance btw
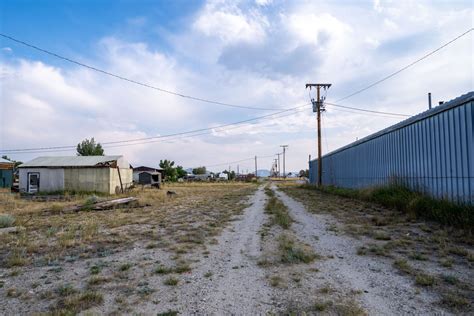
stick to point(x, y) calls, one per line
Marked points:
point(405, 200)
point(279, 212)
point(292, 251)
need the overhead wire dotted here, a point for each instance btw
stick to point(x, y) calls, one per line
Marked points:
point(237, 161)
point(134, 141)
point(405, 67)
point(365, 110)
point(70, 60)
point(146, 140)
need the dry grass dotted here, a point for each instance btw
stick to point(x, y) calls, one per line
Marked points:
point(419, 248)
point(181, 226)
point(198, 212)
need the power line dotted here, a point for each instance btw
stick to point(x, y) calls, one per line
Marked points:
point(146, 140)
point(132, 80)
point(237, 161)
point(406, 67)
point(368, 111)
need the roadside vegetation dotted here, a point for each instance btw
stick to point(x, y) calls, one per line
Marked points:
point(428, 241)
point(107, 254)
point(412, 203)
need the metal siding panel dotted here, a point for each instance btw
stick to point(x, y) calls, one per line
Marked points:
point(433, 154)
point(452, 156)
point(470, 146)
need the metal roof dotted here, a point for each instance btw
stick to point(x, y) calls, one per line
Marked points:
point(6, 161)
point(69, 161)
point(468, 97)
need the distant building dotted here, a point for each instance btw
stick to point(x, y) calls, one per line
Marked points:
point(6, 173)
point(106, 174)
point(147, 176)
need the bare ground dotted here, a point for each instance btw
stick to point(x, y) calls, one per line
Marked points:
point(215, 251)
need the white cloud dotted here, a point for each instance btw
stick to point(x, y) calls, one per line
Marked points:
point(242, 53)
point(230, 24)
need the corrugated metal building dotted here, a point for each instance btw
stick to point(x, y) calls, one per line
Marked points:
point(106, 174)
point(432, 152)
point(6, 173)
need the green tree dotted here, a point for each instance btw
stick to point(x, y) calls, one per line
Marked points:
point(230, 175)
point(169, 170)
point(199, 170)
point(89, 148)
point(180, 172)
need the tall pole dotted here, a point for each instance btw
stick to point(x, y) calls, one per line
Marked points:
point(318, 107)
point(320, 163)
point(256, 167)
point(284, 148)
point(278, 169)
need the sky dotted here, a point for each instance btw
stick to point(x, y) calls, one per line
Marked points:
point(249, 53)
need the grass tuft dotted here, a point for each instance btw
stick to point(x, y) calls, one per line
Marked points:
point(279, 212)
point(424, 279)
point(171, 281)
point(292, 251)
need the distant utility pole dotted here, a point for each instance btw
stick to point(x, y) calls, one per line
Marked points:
point(278, 169)
point(284, 149)
point(318, 107)
point(237, 169)
point(256, 167)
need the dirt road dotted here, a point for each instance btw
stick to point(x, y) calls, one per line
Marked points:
point(234, 283)
point(383, 290)
point(233, 256)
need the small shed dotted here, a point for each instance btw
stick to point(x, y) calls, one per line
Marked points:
point(147, 176)
point(6, 173)
point(106, 174)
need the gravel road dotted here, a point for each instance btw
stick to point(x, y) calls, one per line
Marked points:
point(237, 285)
point(385, 292)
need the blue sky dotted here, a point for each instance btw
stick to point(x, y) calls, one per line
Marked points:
point(256, 53)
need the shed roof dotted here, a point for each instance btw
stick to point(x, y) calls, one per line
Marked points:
point(70, 161)
point(6, 161)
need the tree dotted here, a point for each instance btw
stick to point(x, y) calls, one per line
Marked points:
point(199, 170)
point(168, 170)
point(89, 148)
point(230, 175)
point(180, 172)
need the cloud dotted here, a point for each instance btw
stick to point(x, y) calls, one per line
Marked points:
point(248, 53)
point(228, 23)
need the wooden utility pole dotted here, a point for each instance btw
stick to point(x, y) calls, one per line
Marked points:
point(284, 149)
point(318, 107)
point(279, 170)
point(256, 167)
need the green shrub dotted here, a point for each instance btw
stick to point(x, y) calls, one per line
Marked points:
point(6, 220)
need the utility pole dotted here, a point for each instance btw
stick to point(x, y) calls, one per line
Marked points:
point(237, 169)
point(284, 149)
point(279, 170)
point(275, 167)
point(256, 167)
point(318, 107)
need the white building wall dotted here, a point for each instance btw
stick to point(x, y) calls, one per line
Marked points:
point(50, 179)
